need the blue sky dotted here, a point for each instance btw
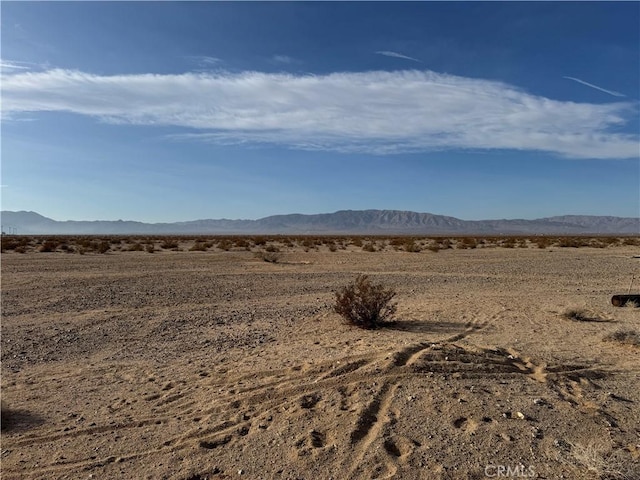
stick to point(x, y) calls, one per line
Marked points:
point(169, 111)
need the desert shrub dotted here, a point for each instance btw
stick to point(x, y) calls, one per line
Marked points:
point(333, 247)
point(198, 247)
point(271, 249)
point(397, 242)
point(103, 247)
point(597, 243)
point(466, 242)
point(9, 243)
point(224, 244)
point(411, 246)
point(635, 241)
point(356, 242)
point(433, 246)
point(573, 242)
point(242, 243)
point(625, 337)
point(369, 247)
point(150, 248)
point(365, 304)
point(582, 315)
point(168, 244)
point(48, 246)
point(259, 241)
point(271, 257)
point(508, 243)
point(136, 247)
point(542, 242)
point(84, 242)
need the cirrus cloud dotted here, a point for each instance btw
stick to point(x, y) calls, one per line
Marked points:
point(373, 112)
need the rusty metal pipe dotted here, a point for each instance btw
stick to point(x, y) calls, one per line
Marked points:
point(622, 300)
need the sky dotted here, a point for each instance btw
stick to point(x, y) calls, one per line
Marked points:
point(175, 111)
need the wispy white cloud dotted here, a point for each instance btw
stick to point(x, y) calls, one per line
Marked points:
point(282, 59)
point(387, 53)
point(204, 61)
point(610, 92)
point(10, 65)
point(375, 112)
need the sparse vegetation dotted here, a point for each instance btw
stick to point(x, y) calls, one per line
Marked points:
point(583, 315)
point(365, 304)
point(411, 246)
point(103, 244)
point(169, 244)
point(369, 247)
point(624, 337)
point(267, 256)
point(198, 247)
point(600, 461)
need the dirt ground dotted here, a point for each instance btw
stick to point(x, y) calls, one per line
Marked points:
point(205, 365)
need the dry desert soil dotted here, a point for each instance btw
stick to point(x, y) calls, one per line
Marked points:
point(193, 365)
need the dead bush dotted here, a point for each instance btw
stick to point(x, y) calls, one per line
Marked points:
point(49, 246)
point(625, 337)
point(271, 257)
point(365, 304)
point(169, 244)
point(596, 459)
point(198, 247)
point(369, 247)
point(136, 247)
point(583, 315)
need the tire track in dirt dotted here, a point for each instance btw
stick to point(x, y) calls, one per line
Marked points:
point(369, 425)
point(223, 419)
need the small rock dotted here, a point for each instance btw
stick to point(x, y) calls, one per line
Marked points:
point(506, 437)
point(241, 472)
point(521, 415)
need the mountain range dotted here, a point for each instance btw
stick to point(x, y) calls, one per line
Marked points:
point(371, 222)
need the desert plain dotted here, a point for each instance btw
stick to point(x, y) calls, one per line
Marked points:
point(193, 365)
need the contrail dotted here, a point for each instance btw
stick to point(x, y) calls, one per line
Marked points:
point(397, 55)
point(12, 66)
point(610, 92)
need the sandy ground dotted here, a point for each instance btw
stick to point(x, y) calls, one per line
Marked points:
point(194, 365)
